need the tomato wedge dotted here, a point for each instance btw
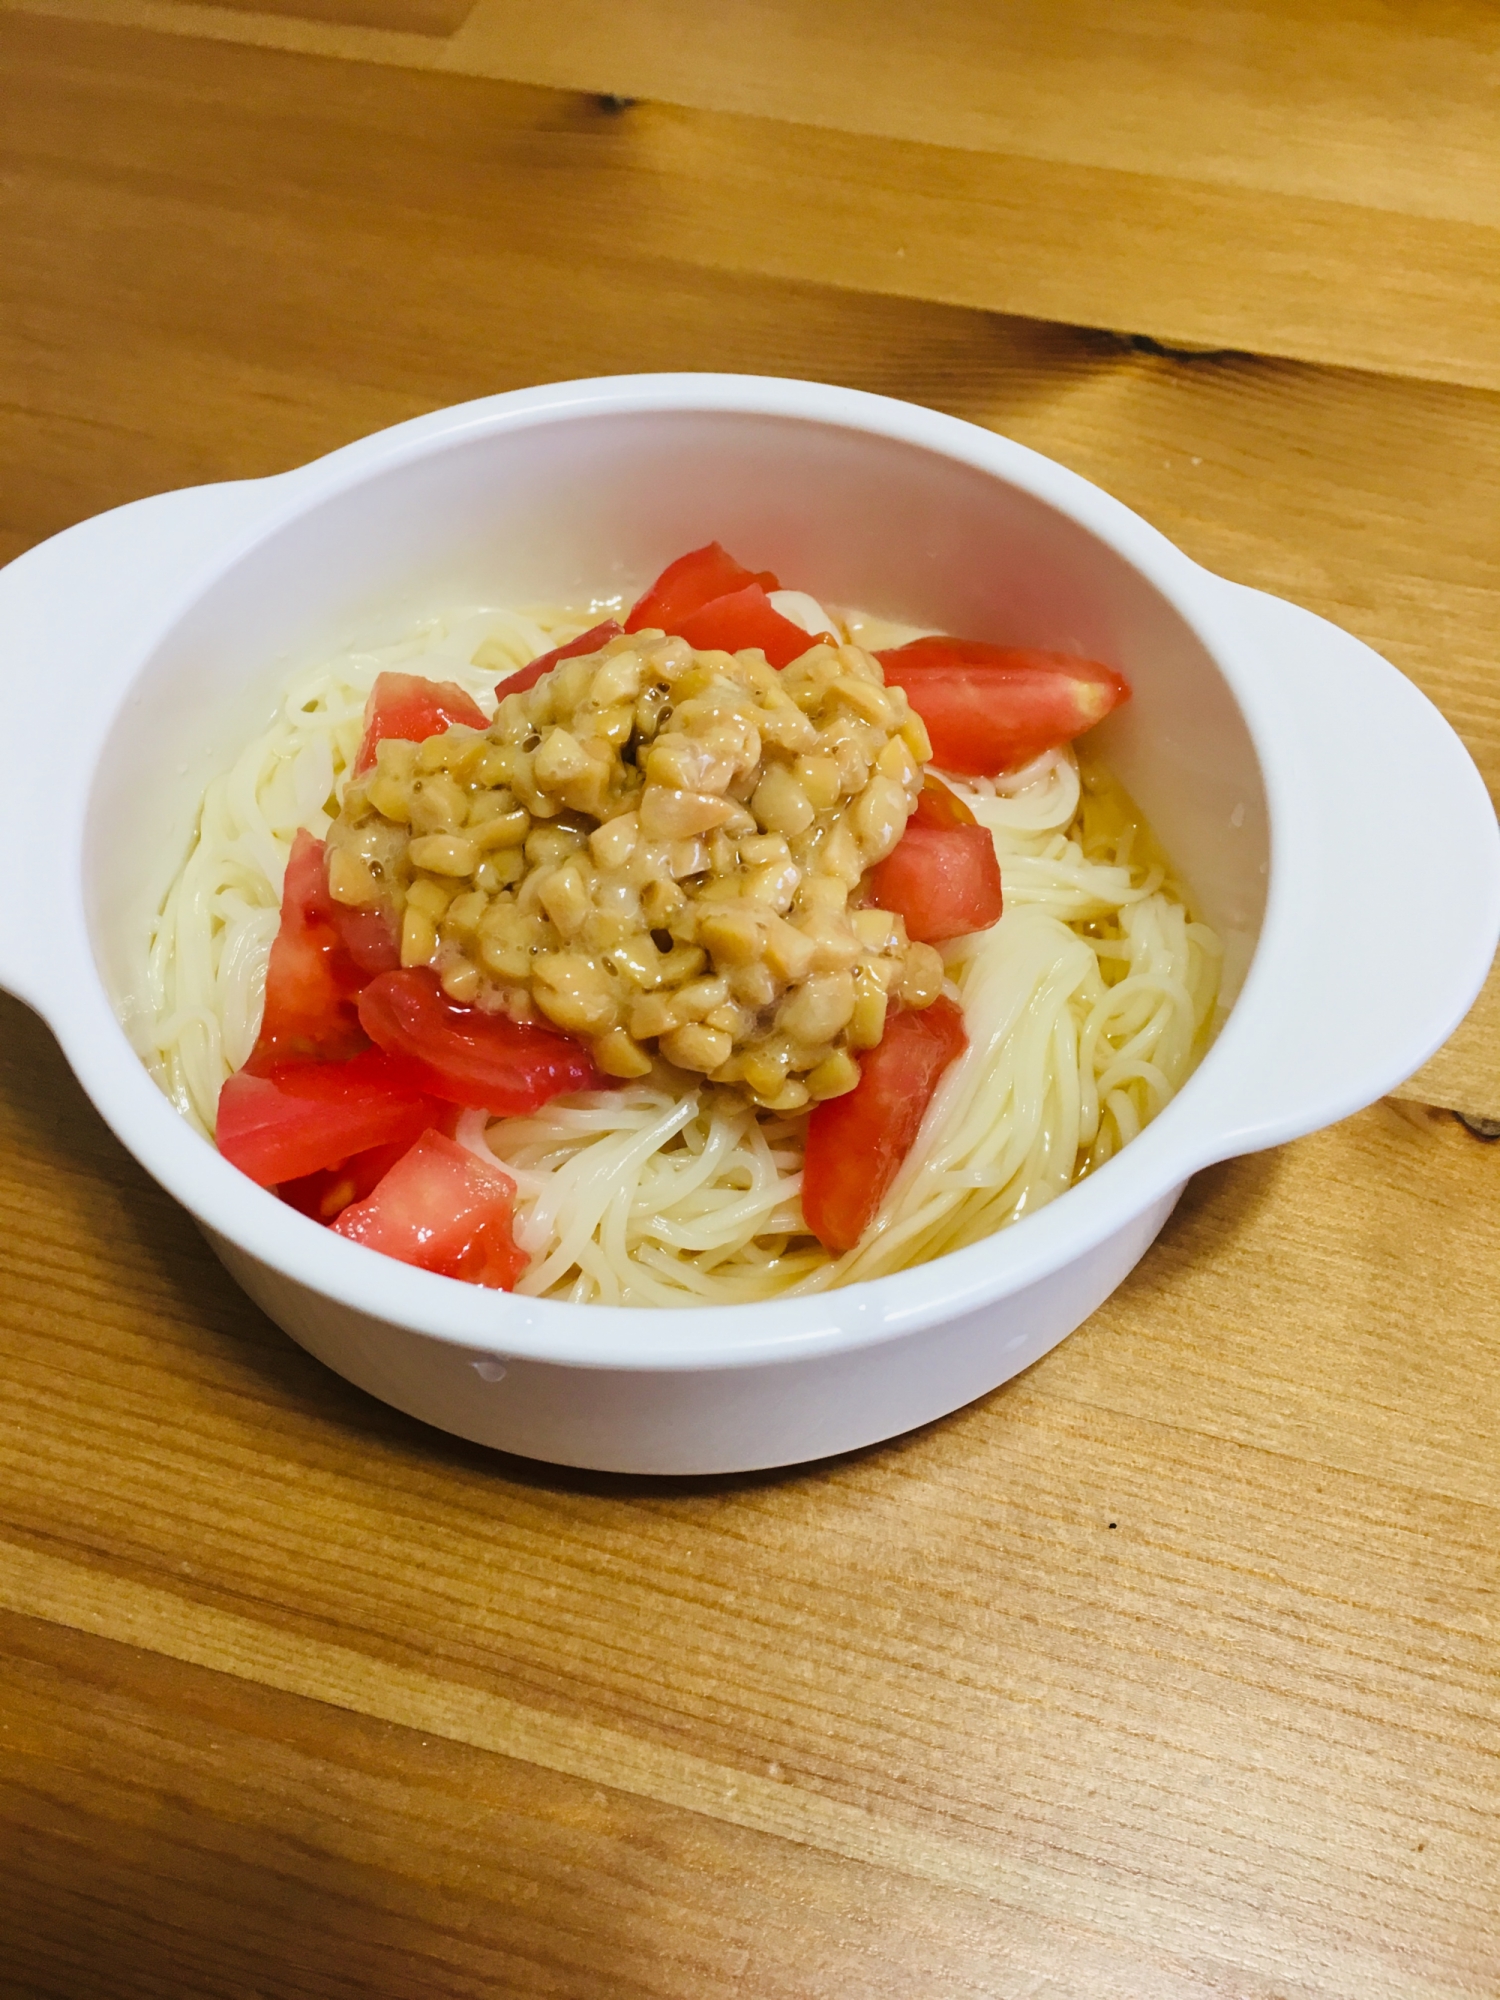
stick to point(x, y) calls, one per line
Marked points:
point(311, 977)
point(531, 673)
point(856, 1143)
point(688, 584)
point(745, 618)
point(327, 1193)
point(991, 708)
point(944, 881)
point(939, 806)
point(296, 1118)
point(411, 708)
point(469, 1057)
point(943, 876)
point(443, 1209)
point(370, 937)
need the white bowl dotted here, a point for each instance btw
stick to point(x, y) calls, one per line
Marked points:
point(1330, 823)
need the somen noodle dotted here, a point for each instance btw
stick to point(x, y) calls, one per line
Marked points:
point(1086, 1008)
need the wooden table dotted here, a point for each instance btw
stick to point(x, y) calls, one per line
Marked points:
point(1168, 1670)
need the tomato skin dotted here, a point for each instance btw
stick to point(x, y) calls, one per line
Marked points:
point(371, 938)
point(443, 1209)
point(311, 978)
point(531, 673)
point(326, 1194)
point(469, 1057)
point(856, 1143)
point(943, 876)
point(412, 708)
point(745, 618)
point(991, 708)
point(944, 881)
point(297, 1118)
point(688, 584)
point(938, 805)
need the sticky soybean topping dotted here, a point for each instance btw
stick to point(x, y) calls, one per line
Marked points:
point(661, 849)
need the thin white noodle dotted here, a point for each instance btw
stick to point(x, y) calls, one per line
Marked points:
point(1087, 1006)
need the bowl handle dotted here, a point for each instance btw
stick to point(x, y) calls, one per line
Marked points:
point(70, 609)
point(1385, 885)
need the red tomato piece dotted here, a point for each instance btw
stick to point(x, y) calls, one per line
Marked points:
point(944, 880)
point(371, 938)
point(856, 1143)
point(689, 583)
point(991, 708)
point(745, 618)
point(411, 708)
point(295, 1118)
point(311, 978)
point(469, 1057)
point(531, 673)
point(940, 806)
point(327, 1193)
point(443, 1209)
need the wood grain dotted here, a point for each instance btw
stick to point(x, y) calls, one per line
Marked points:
point(1354, 101)
point(1166, 1671)
point(1030, 160)
point(407, 17)
point(354, 1856)
point(1108, 1729)
point(497, 243)
point(1464, 1075)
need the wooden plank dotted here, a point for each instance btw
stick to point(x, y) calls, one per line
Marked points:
point(1223, 258)
point(1464, 1075)
point(405, 17)
point(307, 31)
point(1348, 101)
point(221, 1838)
point(1248, 1728)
